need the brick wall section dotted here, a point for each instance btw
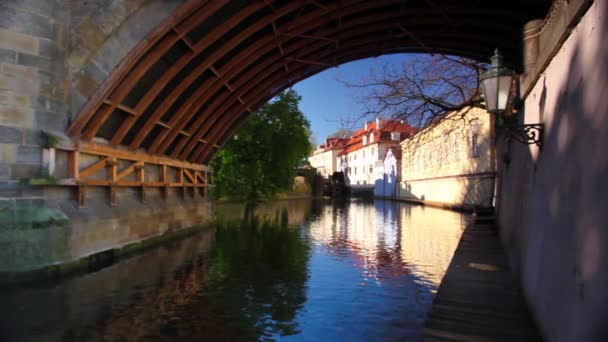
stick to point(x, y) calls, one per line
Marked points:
point(34, 88)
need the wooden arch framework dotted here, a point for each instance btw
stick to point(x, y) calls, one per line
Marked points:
point(184, 90)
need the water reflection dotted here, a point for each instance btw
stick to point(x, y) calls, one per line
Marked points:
point(293, 270)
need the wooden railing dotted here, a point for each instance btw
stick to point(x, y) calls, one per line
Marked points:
point(191, 179)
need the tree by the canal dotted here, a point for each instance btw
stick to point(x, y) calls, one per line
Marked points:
point(260, 160)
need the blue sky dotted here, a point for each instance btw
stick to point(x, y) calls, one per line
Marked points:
point(328, 104)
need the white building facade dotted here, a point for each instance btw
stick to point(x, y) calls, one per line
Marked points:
point(367, 148)
point(324, 158)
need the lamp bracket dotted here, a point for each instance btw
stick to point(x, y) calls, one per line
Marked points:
point(527, 134)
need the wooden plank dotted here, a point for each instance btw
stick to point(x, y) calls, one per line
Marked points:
point(232, 68)
point(111, 166)
point(74, 164)
point(181, 63)
point(227, 115)
point(128, 170)
point(143, 65)
point(109, 151)
point(479, 298)
point(100, 164)
point(297, 46)
point(189, 175)
point(216, 55)
point(127, 64)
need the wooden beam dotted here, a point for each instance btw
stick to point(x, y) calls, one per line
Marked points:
point(74, 164)
point(311, 20)
point(130, 169)
point(215, 56)
point(203, 93)
point(109, 151)
point(142, 57)
point(306, 61)
point(210, 38)
point(308, 36)
point(97, 166)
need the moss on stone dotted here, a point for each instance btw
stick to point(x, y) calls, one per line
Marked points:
point(39, 181)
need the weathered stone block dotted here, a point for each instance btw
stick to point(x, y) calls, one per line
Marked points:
point(8, 56)
point(29, 155)
point(43, 7)
point(49, 105)
point(19, 86)
point(51, 85)
point(5, 172)
point(50, 49)
point(32, 137)
point(10, 135)
point(84, 84)
point(35, 25)
point(8, 153)
point(21, 171)
point(91, 36)
point(25, 72)
point(78, 57)
point(43, 63)
point(7, 16)
point(19, 42)
point(16, 116)
point(51, 121)
point(63, 35)
point(115, 49)
point(10, 99)
point(78, 102)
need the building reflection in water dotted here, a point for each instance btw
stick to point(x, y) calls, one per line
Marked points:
point(391, 238)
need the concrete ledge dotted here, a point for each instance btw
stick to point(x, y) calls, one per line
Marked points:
point(53, 233)
point(468, 208)
point(97, 260)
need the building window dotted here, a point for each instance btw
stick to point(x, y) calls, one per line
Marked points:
point(355, 170)
point(475, 138)
point(371, 169)
point(363, 153)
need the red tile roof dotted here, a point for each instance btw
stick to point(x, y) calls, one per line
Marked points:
point(356, 141)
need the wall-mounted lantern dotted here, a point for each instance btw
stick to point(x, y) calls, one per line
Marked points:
point(496, 85)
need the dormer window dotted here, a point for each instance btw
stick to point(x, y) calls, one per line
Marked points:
point(371, 138)
point(364, 139)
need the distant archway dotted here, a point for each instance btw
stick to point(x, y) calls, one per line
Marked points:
point(186, 87)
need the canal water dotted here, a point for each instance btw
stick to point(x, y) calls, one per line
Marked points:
point(296, 270)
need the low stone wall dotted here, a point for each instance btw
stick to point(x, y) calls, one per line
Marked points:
point(41, 234)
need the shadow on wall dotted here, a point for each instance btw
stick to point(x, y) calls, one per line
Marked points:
point(553, 210)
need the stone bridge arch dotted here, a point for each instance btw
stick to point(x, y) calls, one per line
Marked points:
point(176, 78)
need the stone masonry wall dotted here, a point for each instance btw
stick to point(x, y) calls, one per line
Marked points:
point(54, 55)
point(34, 87)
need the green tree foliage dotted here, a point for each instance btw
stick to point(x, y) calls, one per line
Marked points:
point(260, 160)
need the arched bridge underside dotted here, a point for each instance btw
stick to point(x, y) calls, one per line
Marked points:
point(184, 90)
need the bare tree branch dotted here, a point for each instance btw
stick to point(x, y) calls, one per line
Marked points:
point(422, 90)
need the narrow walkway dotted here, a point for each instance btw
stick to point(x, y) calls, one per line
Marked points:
point(479, 298)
